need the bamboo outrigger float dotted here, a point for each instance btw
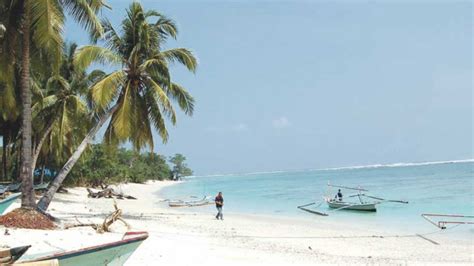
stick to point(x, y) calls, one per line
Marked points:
point(337, 204)
point(442, 223)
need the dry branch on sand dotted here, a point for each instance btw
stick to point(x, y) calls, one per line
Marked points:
point(108, 221)
point(108, 193)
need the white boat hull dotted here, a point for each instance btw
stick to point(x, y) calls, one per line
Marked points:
point(351, 206)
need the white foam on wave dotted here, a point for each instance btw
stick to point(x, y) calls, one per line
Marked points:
point(392, 165)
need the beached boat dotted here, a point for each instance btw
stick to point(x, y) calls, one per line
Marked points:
point(54, 262)
point(114, 253)
point(6, 202)
point(335, 204)
point(192, 203)
point(42, 186)
point(10, 255)
point(177, 203)
point(14, 187)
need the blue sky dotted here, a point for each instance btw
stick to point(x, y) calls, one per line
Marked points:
point(314, 84)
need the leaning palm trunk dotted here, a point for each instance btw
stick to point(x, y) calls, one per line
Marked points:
point(58, 180)
point(26, 177)
point(37, 150)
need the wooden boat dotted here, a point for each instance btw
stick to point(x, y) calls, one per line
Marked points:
point(194, 203)
point(177, 203)
point(10, 255)
point(14, 187)
point(3, 189)
point(54, 262)
point(335, 204)
point(365, 202)
point(42, 186)
point(6, 202)
point(114, 253)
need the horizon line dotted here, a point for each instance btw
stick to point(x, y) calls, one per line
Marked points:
point(387, 165)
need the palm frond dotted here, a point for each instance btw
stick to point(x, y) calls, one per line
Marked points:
point(183, 56)
point(47, 25)
point(166, 27)
point(121, 118)
point(57, 82)
point(157, 118)
point(141, 135)
point(104, 91)
point(162, 98)
point(89, 54)
point(157, 68)
point(183, 97)
point(112, 39)
point(85, 12)
point(45, 103)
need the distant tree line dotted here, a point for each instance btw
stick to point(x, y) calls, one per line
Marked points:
point(104, 164)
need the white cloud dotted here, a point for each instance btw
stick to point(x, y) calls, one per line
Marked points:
point(240, 127)
point(281, 122)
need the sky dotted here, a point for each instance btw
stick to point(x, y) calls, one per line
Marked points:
point(286, 85)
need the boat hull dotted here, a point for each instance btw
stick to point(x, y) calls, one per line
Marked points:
point(369, 207)
point(5, 203)
point(195, 203)
point(112, 254)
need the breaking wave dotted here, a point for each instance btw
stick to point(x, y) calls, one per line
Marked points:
point(370, 166)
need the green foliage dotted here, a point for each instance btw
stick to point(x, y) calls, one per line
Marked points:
point(104, 164)
point(180, 169)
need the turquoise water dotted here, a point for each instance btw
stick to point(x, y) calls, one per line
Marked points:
point(430, 188)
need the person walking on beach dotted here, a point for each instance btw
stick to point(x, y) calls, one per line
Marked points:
point(219, 204)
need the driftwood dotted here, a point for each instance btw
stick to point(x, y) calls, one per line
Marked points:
point(61, 189)
point(105, 226)
point(108, 193)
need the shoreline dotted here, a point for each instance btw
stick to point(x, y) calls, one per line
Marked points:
point(307, 219)
point(179, 237)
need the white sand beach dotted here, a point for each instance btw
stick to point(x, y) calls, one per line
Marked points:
point(180, 237)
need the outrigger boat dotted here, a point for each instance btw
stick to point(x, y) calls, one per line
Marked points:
point(6, 202)
point(362, 205)
point(114, 253)
point(194, 203)
point(444, 219)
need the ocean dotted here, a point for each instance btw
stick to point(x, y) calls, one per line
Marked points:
point(438, 187)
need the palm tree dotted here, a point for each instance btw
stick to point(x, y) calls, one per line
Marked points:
point(38, 24)
point(62, 115)
point(136, 97)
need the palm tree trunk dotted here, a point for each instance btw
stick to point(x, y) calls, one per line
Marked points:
point(26, 177)
point(37, 150)
point(4, 157)
point(42, 173)
point(58, 180)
